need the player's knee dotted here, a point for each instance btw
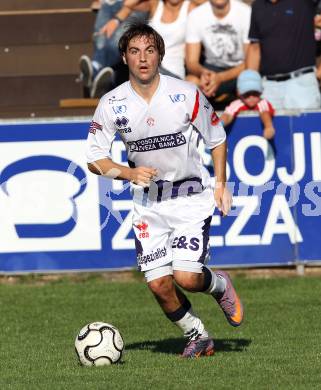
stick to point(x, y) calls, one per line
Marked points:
point(162, 288)
point(189, 281)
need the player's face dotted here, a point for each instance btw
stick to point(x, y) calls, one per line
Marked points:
point(142, 59)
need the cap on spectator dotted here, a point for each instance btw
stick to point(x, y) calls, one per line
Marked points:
point(249, 80)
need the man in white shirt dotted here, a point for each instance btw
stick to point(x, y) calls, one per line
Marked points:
point(160, 120)
point(223, 34)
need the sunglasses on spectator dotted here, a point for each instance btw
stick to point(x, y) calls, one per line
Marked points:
point(251, 93)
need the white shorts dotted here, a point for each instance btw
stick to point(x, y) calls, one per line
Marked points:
point(174, 232)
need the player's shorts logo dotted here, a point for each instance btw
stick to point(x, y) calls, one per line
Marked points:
point(158, 142)
point(143, 230)
point(155, 255)
point(183, 243)
point(178, 97)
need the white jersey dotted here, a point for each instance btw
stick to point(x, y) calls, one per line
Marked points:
point(163, 134)
point(174, 38)
point(222, 38)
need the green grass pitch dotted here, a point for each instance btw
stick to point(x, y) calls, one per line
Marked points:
point(277, 347)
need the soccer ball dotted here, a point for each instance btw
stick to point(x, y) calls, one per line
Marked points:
point(99, 344)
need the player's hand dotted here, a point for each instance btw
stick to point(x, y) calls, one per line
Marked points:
point(223, 198)
point(209, 82)
point(109, 28)
point(268, 132)
point(142, 176)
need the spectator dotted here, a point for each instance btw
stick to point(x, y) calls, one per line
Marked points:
point(97, 73)
point(249, 87)
point(221, 28)
point(282, 48)
point(169, 18)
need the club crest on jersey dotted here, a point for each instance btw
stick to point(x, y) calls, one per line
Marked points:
point(158, 142)
point(143, 227)
point(150, 121)
point(94, 126)
point(177, 98)
point(119, 109)
point(214, 119)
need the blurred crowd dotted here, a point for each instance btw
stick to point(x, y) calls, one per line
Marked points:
point(244, 55)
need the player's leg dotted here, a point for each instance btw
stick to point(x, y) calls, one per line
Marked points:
point(178, 309)
point(154, 257)
point(216, 283)
point(191, 251)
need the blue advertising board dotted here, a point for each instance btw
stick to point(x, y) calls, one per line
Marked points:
point(57, 216)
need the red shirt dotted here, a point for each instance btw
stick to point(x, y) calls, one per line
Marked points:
point(237, 106)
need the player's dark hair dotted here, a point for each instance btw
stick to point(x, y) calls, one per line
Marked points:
point(139, 29)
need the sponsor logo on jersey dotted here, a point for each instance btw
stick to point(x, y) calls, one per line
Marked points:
point(121, 122)
point(154, 255)
point(150, 121)
point(158, 142)
point(214, 119)
point(94, 126)
point(143, 227)
point(207, 105)
point(113, 100)
point(125, 130)
point(177, 98)
point(120, 109)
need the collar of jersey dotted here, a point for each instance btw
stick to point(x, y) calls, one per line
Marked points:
point(159, 90)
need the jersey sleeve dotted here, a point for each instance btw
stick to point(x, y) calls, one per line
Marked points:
point(101, 135)
point(206, 122)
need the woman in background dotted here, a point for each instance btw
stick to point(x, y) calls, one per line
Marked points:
point(168, 18)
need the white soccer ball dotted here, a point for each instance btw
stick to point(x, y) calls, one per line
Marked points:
point(99, 344)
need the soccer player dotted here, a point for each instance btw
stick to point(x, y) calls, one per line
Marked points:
point(160, 120)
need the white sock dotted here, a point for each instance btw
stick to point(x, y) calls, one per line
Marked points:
point(217, 284)
point(192, 326)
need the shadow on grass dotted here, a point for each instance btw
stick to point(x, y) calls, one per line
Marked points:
point(176, 345)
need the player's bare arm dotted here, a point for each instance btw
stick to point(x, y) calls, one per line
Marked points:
point(106, 167)
point(222, 195)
